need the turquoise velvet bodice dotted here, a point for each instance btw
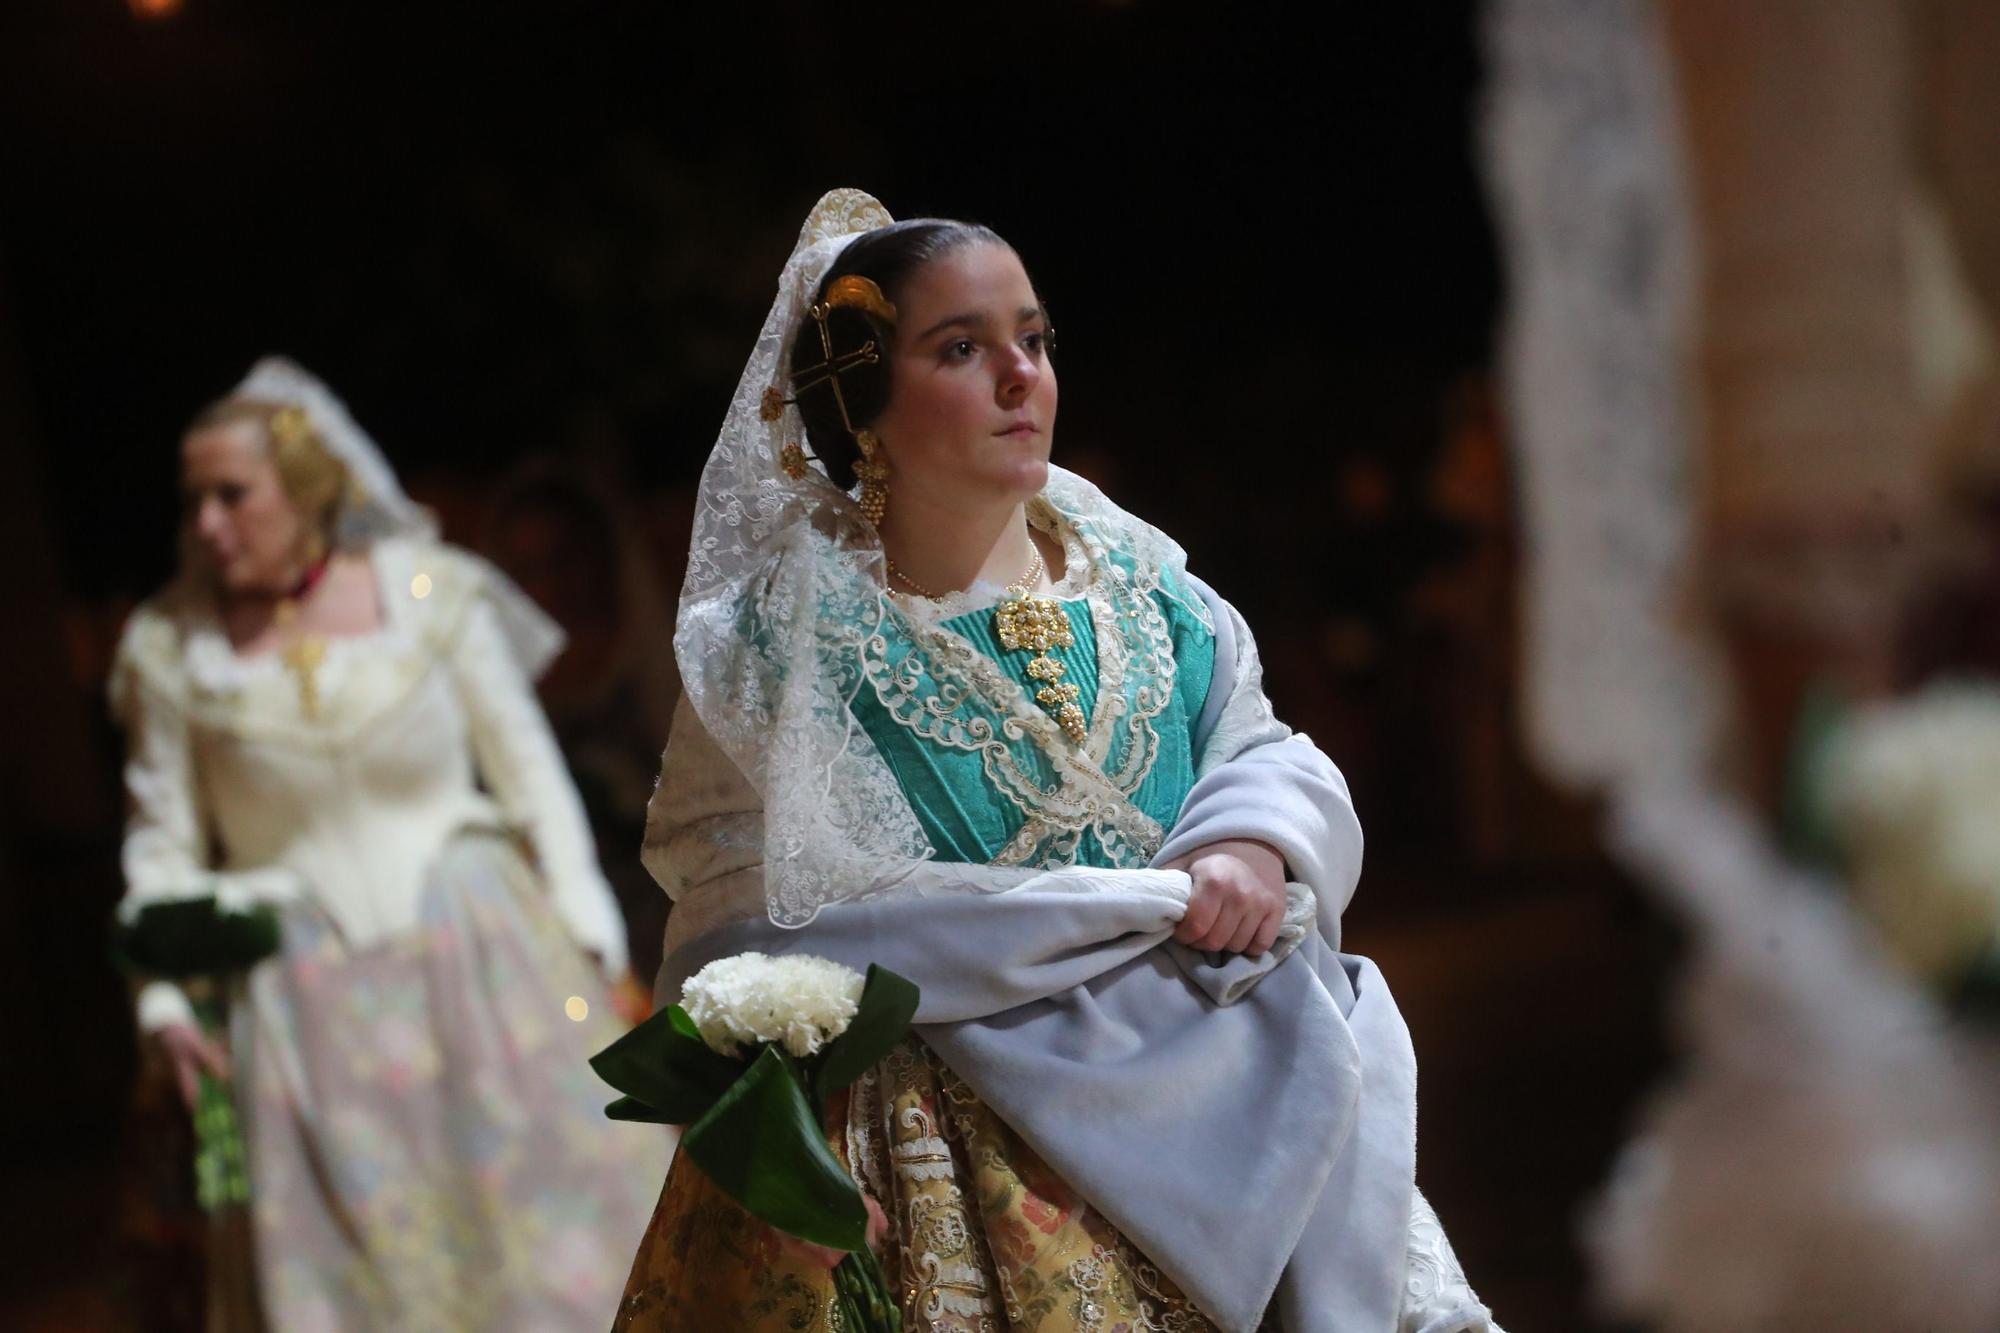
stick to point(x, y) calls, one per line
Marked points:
point(960, 810)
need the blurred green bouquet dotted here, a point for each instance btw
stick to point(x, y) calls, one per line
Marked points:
point(203, 944)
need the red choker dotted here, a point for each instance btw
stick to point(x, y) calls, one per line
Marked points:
point(310, 579)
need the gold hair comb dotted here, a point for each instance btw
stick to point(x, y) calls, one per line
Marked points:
point(858, 293)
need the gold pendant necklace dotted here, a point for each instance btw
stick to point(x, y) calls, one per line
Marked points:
point(1038, 624)
point(1035, 624)
point(302, 657)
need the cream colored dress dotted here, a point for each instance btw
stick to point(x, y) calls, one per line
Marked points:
point(425, 1141)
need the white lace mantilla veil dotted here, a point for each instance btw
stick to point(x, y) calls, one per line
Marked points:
point(376, 507)
point(785, 587)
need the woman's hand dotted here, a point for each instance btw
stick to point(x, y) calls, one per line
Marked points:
point(1239, 897)
point(189, 1052)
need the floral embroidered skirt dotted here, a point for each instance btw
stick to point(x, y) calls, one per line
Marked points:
point(985, 1237)
point(427, 1146)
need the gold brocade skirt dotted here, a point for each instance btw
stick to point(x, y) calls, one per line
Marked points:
point(985, 1237)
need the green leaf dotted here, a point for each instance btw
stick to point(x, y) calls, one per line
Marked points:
point(660, 1064)
point(888, 1002)
point(762, 1145)
point(631, 1108)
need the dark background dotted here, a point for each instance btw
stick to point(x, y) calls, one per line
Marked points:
point(504, 232)
point(1264, 244)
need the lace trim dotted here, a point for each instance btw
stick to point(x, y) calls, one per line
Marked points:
point(1436, 1296)
point(865, 1120)
point(945, 1260)
point(948, 693)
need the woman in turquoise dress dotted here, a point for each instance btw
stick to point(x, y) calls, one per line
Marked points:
point(950, 709)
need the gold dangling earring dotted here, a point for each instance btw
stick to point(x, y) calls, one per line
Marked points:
point(874, 475)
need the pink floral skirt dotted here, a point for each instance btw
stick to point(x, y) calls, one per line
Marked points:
point(427, 1144)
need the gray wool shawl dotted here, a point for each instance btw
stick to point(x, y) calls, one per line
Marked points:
point(1248, 1124)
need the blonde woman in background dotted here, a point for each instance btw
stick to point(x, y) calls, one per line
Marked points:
point(329, 714)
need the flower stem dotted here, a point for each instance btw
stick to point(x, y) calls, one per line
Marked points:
point(864, 1299)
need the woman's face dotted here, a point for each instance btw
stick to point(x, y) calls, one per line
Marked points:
point(972, 410)
point(237, 507)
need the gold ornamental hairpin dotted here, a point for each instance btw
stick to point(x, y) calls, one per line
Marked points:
point(290, 425)
point(851, 292)
point(830, 370)
point(858, 293)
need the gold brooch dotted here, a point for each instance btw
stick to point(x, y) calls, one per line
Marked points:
point(792, 459)
point(773, 405)
point(1035, 623)
point(1038, 624)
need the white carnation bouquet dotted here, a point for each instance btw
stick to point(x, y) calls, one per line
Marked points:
point(747, 1061)
point(798, 1002)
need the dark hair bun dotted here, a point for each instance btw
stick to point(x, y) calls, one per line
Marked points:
point(863, 386)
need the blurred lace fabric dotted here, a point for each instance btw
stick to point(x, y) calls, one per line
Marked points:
point(1713, 277)
point(1827, 1159)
